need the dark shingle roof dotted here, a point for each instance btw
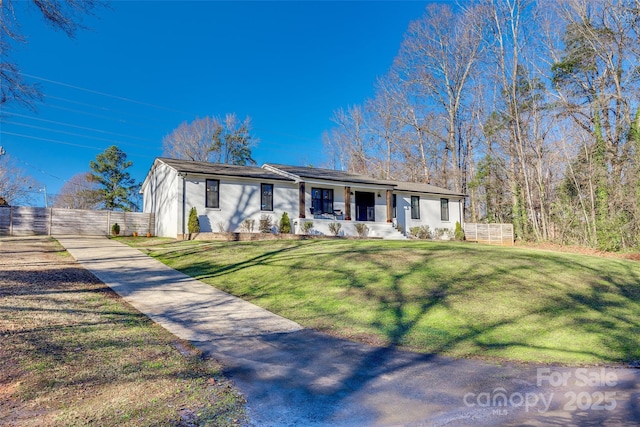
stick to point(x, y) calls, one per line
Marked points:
point(329, 174)
point(417, 187)
point(189, 166)
point(335, 175)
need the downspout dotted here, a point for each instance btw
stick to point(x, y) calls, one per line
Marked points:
point(184, 201)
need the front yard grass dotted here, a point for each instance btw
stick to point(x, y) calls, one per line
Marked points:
point(455, 299)
point(74, 353)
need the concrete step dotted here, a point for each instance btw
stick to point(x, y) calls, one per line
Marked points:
point(385, 231)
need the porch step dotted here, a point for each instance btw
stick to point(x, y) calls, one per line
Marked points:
point(385, 231)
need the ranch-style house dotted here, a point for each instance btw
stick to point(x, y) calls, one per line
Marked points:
point(227, 195)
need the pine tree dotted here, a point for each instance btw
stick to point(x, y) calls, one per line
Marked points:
point(117, 186)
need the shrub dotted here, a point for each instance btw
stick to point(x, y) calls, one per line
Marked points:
point(247, 225)
point(307, 226)
point(334, 228)
point(459, 233)
point(362, 229)
point(438, 232)
point(115, 229)
point(194, 223)
point(265, 224)
point(285, 224)
point(422, 232)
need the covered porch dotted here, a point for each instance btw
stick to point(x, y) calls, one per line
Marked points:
point(326, 202)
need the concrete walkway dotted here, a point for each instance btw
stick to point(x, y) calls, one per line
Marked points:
point(297, 377)
point(188, 308)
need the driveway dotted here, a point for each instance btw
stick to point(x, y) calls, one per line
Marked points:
point(292, 376)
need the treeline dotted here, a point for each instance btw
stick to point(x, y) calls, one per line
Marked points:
point(529, 107)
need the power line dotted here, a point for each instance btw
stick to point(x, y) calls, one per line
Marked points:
point(49, 140)
point(80, 127)
point(99, 107)
point(2, 132)
point(69, 133)
point(146, 104)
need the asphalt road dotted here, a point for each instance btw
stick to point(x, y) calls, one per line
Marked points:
point(297, 377)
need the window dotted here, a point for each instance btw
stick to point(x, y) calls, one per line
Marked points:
point(322, 200)
point(415, 207)
point(393, 206)
point(213, 193)
point(266, 197)
point(444, 209)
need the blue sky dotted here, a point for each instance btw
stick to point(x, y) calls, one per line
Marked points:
point(145, 67)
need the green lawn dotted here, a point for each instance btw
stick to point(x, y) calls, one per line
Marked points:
point(456, 299)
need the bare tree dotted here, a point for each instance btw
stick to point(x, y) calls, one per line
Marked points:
point(437, 59)
point(191, 141)
point(348, 140)
point(16, 186)
point(65, 16)
point(212, 139)
point(79, 192)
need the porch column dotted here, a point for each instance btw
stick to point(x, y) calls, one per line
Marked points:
point(347, 203)
point(389, 211)
point(301, 200)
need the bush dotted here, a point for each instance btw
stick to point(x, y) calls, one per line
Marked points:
point(285, 224)
point(422, 232)
point(459, 233)
point(438, 233)
point(115, 229)
point(307, 226)
point(362, 229)
point(194, 223)
point(334, 228)
point(265, 224)
point(247, 225)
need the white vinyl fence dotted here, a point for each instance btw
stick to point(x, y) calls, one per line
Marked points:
point(28, 221)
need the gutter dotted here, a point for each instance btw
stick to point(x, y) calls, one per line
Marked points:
point(270, 168)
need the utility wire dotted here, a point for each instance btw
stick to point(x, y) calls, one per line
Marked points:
point(146, 104)
point(80, 127)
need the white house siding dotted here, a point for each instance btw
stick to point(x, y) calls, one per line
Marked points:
point(429, 211)
point(161, 196)
point(239, 200)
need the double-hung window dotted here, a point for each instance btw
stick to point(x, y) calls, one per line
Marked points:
point(415, 207)
point(213, 194)
point(444, 209)
point(266, 197)
point(322, 200)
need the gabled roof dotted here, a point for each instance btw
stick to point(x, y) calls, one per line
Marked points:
point(206, 168)
point(298, 173)
point(327, 174)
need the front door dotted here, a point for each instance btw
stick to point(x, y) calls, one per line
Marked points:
point(365, 206)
